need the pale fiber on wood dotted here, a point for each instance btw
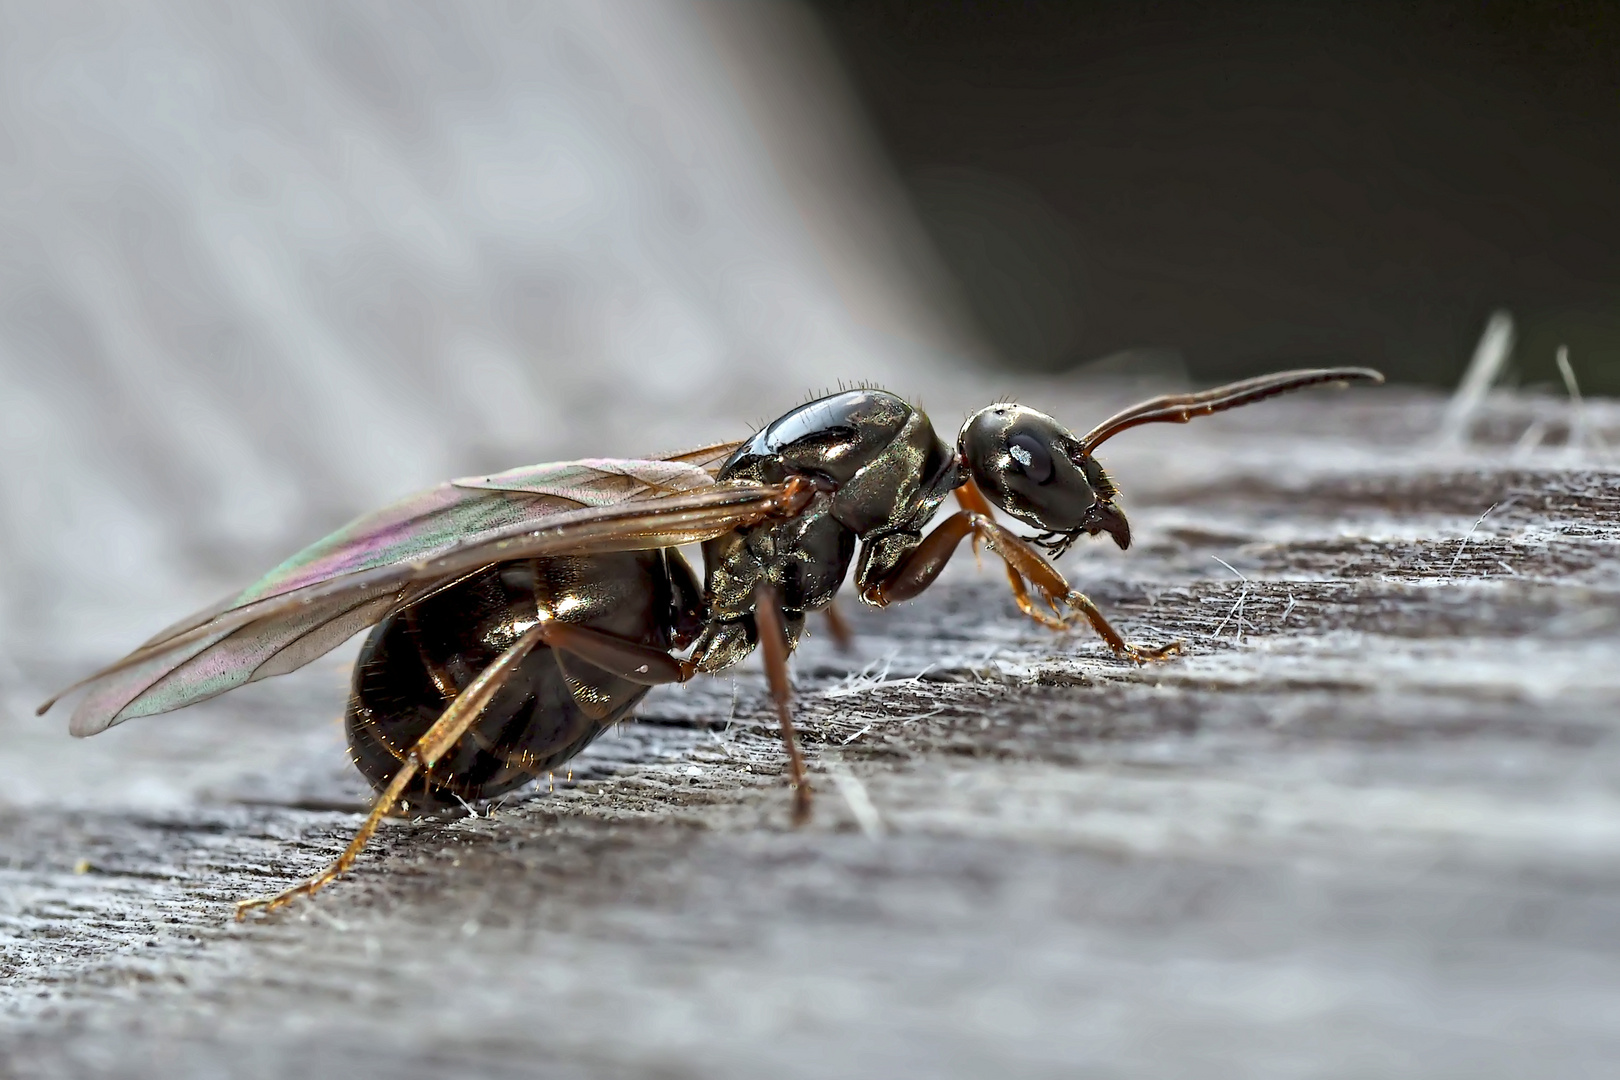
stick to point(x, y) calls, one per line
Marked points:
point(1368, 825)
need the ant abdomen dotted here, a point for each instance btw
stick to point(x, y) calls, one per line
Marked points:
point(416, 661)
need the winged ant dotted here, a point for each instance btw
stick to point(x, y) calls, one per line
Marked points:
point(516, 617)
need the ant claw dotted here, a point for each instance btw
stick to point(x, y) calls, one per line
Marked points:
point(1143, 654)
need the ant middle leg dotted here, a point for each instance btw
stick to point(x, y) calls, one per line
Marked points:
point(651, 667)
point(838, 626)
point(773, 647)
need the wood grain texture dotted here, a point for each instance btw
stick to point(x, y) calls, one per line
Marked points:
point(1367, 825)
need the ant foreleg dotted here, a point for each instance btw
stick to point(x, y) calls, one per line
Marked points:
point(924, 563)
point(973, 501)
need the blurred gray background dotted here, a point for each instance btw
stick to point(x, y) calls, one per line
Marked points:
point(265, 266)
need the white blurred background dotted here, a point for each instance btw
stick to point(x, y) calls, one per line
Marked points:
point(264, 266)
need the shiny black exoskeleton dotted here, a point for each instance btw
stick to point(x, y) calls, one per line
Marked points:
point(876, 473)
point(415, 662)
point(881, 474)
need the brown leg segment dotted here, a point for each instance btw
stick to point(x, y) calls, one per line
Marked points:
point(773, 647)
point(1026, 604)
point(973, 500)
point(631, 660)
point(439, 738)
point(1024, 564)
point(838, 627)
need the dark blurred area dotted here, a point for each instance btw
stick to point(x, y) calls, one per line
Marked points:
point(1261, 183)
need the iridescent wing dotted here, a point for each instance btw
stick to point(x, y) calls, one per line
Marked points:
point(340, 585)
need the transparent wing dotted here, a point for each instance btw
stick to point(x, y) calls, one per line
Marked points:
point(603, 481)
point(320, 597)
point(464, 509)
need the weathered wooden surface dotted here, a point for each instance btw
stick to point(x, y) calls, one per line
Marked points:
point(1367, 826)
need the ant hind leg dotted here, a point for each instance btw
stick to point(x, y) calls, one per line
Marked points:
point(434, 743)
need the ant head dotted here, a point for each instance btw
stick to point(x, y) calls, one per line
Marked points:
point(1038, 471)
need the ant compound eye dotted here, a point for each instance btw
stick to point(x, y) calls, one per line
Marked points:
point(1032, 456)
